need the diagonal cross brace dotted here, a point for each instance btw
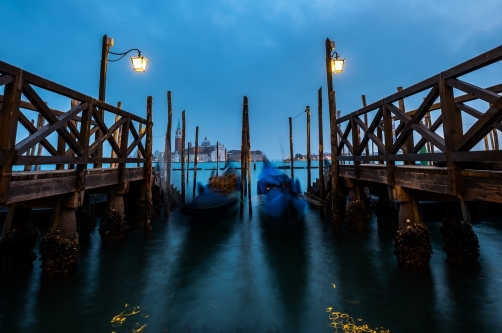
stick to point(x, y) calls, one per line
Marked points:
point(47, 113)
point(480, 128)
point(107, 136)
point(106, 132)
point(421, 112)
point(435, 139)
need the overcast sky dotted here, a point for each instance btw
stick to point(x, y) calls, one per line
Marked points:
point(212, 53)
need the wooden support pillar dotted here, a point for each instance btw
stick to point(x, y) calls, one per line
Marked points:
point(116, 136)
point(321, 145)
point(410, 144)
point(183, 135)
point(217, 158)
point(8, 130)
point(363, 99)
point(309, 180)
point(291, 148)
point(453, 131)
point(243, 156)
point(409, 210)
point(195, 160)
point(148, 165)
point(167, 156)
point(387, 117)
point(248, 161)
point(355, 147)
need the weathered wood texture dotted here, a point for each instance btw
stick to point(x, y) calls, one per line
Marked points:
point(450, 143)
point(72, 146)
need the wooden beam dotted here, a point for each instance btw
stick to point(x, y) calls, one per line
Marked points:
point(417, 117)
point(45, 131)
point(475, 63)
point(136, 137)
point(4, 79)
point(32, 129)
point(482, 127)
point(423, 140)
point(485, 95)
point(343, 139)
point(54, 122)
point(8, 130)
point(476, 114)
point(420, 128)
point(107, 136)
point(368, 134)
point(106, 133)
point(371, 129)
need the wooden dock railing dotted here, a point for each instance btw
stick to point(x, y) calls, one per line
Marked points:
point(455, 148)
point(74, 144)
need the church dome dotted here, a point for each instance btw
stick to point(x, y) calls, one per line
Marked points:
point(205, 142)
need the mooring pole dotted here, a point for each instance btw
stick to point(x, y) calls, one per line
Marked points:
point(40, 124)
point(248, 161)
point(309, 179)
point(363, 97)
point(148, 166)
point(243, 175)
point(333, 134)
point(217, 158)
point(188, 160)
point(140, 128)
point(167, 156)
point(195, 159)
point(291, 147)
point(321, 145)
point(183, 157)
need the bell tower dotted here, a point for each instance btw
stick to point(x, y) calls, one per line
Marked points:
point(177, 138)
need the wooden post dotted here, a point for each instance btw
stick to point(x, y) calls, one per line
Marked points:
point(8, 131)
point(30, 152)
point(40, 124)
point(167, 156)
point(183, 157)
point(188, 160)
point(116, 136)
point(243, 174)
point(410, 143)
point(309, 179)
point(291, 147)
point(321, 144)
point(496, 139)
point(387, 127)
point(140, 128)
point(217, 158)
point(195, 160)
point(363, 97)
point(248, 161)
point(148, 164)
point(334, 156)
point(355, 147)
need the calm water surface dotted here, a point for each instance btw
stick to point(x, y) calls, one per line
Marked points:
point(227, 274)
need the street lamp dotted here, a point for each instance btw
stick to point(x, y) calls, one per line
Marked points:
point(334, 65)
point(139, 65)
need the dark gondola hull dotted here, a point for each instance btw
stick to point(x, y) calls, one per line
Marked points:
point(210, 202)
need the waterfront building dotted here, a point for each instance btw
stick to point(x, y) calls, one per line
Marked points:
point(235, 155)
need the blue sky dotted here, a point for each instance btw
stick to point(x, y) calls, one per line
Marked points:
point(212, 53)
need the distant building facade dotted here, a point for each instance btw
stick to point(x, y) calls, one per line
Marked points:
point(235, 155)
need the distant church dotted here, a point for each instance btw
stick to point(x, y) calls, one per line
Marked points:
point(205, 152)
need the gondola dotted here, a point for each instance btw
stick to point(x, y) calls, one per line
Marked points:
point(281, 196)
point(219, 194)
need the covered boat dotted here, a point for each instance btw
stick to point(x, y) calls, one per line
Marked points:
point(282, 198)
point(219, 194)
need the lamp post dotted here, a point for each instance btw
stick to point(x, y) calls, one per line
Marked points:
point(333, 65)
point(139, 64)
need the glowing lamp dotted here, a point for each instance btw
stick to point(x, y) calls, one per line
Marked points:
point(139, 63)
point(337, 65)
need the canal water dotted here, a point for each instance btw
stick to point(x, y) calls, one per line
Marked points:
point(231, 274)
